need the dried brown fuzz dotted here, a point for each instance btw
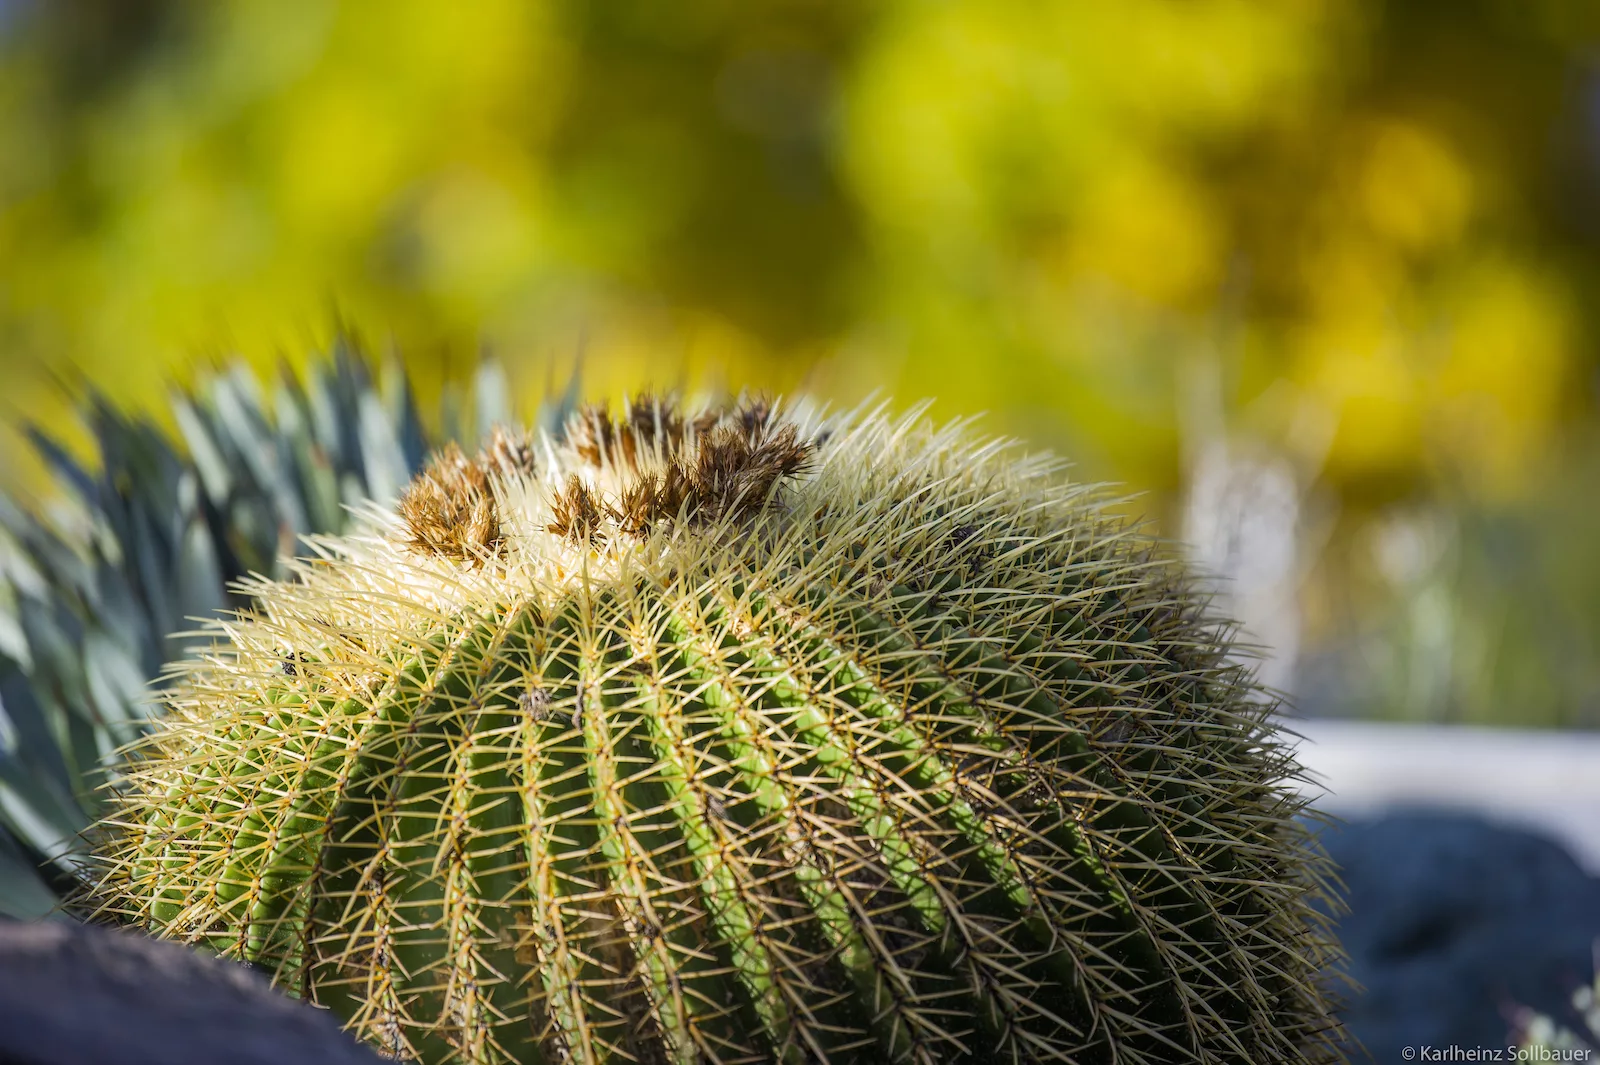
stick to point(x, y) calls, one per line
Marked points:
point(654, 426)
point(736, 468)
point(652, 430)
point(510, 452)
point(638, 508)
point(754, 416)
point(653, 466)
point(449, 509)
point(592, 434)
point(725, 461)
point(578, 514)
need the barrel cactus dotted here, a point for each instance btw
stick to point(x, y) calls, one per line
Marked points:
point(737, 735)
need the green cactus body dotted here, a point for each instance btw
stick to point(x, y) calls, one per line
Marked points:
point(740, 738)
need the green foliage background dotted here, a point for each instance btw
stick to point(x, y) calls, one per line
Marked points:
point(1374, 226)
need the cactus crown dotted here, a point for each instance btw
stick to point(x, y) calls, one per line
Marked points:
point(736, 735)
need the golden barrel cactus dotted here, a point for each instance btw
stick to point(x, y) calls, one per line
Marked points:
point(739, 736)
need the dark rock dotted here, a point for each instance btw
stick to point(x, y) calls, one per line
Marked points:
point(1454, 924)
point(77, 995)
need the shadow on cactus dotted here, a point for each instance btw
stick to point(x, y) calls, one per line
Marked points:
point(732, 736)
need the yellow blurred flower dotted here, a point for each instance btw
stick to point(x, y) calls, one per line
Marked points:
point(1499, 386)
point(1146, 228)
point(1413, 190)
point(1361, 372)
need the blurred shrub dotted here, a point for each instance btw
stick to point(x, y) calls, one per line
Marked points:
point(1379, 220)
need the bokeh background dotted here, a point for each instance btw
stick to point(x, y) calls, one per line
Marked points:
point(1317, 280)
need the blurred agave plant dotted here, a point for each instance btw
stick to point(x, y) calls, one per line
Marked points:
point(156, 534)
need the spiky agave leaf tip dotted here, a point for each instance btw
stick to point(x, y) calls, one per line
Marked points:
point(740, 734)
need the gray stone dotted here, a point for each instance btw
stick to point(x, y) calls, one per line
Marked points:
point(1456, 923)
point(77, 995)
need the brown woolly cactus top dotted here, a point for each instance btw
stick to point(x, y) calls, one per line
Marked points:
point(626, 477)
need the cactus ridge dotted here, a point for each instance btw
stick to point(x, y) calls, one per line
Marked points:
point(865, 741)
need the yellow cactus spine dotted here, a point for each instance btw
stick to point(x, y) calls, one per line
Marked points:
point(738, 736)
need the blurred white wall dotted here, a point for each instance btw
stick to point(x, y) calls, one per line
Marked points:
point(1242, 527)
point(1545, 780)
